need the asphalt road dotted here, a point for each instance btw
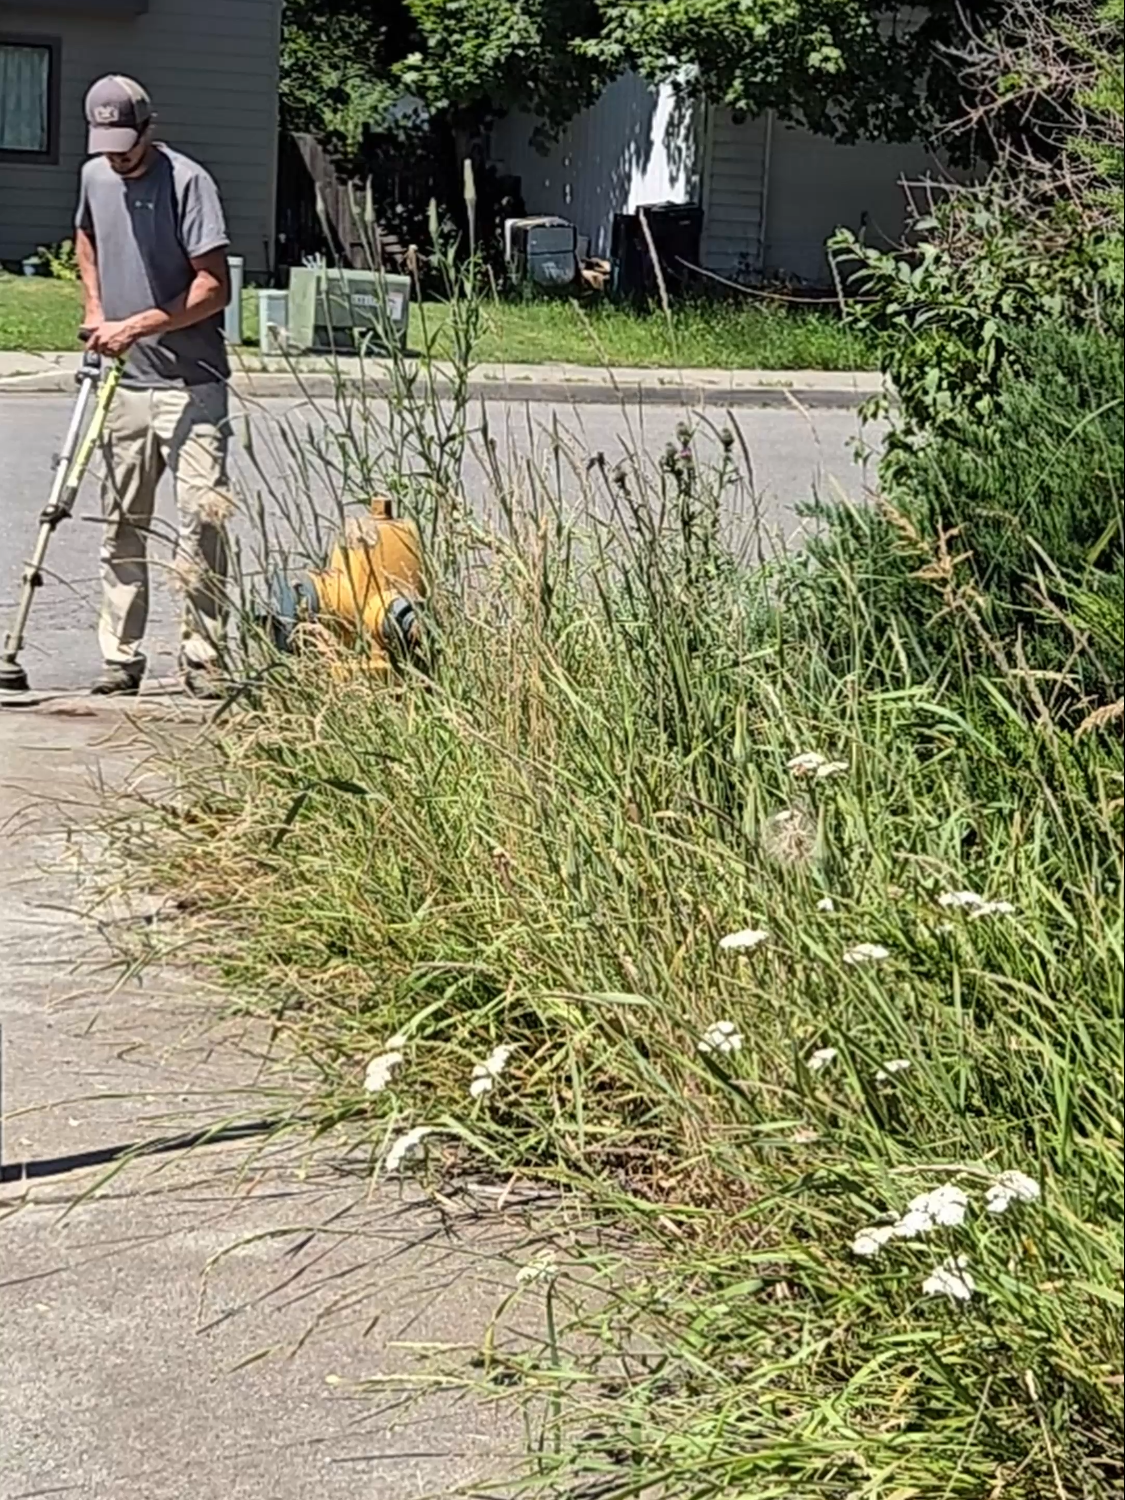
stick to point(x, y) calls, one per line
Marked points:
point(289, 452)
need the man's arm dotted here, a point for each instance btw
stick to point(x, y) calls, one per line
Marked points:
point(88, 270)
point(207, 295)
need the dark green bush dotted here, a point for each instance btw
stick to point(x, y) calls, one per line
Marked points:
point(1002, 541)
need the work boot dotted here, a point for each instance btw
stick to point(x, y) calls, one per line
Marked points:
point(117, 680)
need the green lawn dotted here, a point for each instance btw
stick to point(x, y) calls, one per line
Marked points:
point(38, 314)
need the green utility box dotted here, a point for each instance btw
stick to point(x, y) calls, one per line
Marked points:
point(346, 311)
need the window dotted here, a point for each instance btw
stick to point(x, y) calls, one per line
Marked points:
point(29, 106)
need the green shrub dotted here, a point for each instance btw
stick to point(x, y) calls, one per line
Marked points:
point(1013, 523)
point(61, 260)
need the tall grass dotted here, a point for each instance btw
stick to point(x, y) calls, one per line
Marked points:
point(543, 847)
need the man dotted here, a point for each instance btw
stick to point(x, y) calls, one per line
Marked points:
point(151, 243)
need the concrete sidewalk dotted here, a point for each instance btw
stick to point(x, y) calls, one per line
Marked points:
point(194, 1327)
point(255, 376)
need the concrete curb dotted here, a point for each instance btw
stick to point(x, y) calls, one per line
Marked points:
point(557, 385)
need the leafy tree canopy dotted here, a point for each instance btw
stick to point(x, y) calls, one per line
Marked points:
point(345, 63)
point(846, 68)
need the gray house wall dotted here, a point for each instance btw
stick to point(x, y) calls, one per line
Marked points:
point(211, 67)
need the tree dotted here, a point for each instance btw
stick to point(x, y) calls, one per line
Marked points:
point(336, 61)
point(849, 69)
point(345, 63)
point(476, 59)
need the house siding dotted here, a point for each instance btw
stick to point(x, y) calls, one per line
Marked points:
point(211, 67)
point(817, 186)
point(636, 145)
point(734, 193)
point(771, 193)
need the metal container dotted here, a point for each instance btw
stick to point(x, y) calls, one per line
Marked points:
point(543, 251)
point(346, 310)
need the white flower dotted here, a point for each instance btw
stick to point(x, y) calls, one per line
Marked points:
point(380, 1071)
point(486, 1073)
point(1010, 1187)
point(944, 1206)
point(960, 900)
point(912, 1224)
point(826, 903)
point(866, 953)
point(821, 1058)
point(721, 1036)
point(951, 1279)
point(497, 1060)
point(871, 1240)
point(832, 768)
point(748, 938)
point(405, 1146)
point(811, 763)
point(889, 1069)
point(541, 1267)
point(805, 764)
point(992, 909)
point(481, 1082)
point(975, 905)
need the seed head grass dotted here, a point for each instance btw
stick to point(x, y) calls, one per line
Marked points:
point(568, 867)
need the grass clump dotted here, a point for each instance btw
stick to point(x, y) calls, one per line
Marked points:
point(41, 314)
point(773, 909)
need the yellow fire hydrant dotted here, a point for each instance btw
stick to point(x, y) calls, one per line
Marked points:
point(370, 595)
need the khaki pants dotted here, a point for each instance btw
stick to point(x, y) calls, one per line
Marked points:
point(187, 433)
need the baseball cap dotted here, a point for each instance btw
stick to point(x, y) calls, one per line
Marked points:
point(117, 111)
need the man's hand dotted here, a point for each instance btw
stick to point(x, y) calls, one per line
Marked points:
point(114, 338)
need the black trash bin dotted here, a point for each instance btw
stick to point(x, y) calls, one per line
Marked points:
point(675, 230)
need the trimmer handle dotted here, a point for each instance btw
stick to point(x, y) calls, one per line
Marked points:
point(91, 362)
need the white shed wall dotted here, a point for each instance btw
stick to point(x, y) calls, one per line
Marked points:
point(637, 144)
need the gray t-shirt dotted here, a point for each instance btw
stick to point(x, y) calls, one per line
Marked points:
point(144, 231)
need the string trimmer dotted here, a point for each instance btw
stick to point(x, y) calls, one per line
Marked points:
point(70, 469)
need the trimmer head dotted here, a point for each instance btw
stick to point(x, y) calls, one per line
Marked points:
point(13, 678)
